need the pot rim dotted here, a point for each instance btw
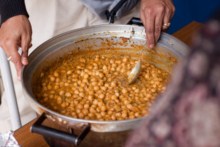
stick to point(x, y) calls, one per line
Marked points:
point(78, 120)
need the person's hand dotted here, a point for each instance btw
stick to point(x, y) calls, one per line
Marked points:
point(14, 33)
point(156, 16)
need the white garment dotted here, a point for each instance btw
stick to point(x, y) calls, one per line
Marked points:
point(49, 18)
point(99, 7)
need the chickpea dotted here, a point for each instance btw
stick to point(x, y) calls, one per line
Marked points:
point(69, 72)
point(131, 116)
point(66, 84)
point(101, 75)
point(63, 111)
point(76, 92)
point(49, 87)
point(68, 94)
point(153, 90)
point(63, 105)
point(79, 106)
point(81, 89)
point(78, 111)
point(83, 60)
point(91, 115)
point(103, 108)
point(110, 112)
point(86, 106)
point(113, 69)
point(61, 93)
point(81, 94)
point(112, 61)
point(124, 91)
point(106, 85)
point(94, 83)
point(124, 114)
point(114, 97)
point(104, 68)
point(129, 106)
point(73, 114)
point(85, 76)
point(85, 112)
point(136, 90)
point(90, 87)
point(125, 58)
point(52, 78)
point(101, 96)
point(113, 117)
point(103, 88)
point(92, 110)
point(117, 108)
point(56, 87)
point(96, 88)
point(59, 101)
point(56, 74)
point(99, 116)
point(51, 96)
point(113, 84)
point(103, 114)
point(81, 115)
point(95, 102)
point(117, 94)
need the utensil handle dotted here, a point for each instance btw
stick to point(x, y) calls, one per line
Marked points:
point(135, 21)
point(111, 15)
point(37, 127)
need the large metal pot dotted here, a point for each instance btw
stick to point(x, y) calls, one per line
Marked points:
point(91, 38)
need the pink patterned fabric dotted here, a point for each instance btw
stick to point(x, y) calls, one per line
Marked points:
point(188, 113)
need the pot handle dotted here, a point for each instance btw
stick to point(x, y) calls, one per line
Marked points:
point(135, 21)
point(37, 127)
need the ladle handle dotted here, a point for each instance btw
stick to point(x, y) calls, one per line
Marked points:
point(37, 127)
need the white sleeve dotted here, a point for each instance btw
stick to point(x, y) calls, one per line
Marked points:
point(99, 7)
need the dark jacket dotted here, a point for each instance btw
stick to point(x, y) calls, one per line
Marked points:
point(10, 8)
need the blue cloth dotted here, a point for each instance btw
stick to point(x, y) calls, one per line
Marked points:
point(192, 10)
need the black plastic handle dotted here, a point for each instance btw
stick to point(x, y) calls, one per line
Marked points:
point(135, 21)
point(37, 127)
point(111, 15)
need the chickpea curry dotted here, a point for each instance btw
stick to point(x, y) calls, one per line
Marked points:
point(93, 85)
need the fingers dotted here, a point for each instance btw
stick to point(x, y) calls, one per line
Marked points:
point(158, 23)
point(156, 16)
point(10, 48)
point(150, 22)
point(25, 45)
point(16, 59)
point(166, 19)
point(152, 16)
point(143, 19)
point(14, 33)
point(154, 20)
point(170, 9)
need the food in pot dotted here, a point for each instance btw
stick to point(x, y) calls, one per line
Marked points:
point(93, 85)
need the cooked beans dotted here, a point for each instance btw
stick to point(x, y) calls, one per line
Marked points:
point(89, 86)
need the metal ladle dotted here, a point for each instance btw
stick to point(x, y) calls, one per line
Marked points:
point(133, 75)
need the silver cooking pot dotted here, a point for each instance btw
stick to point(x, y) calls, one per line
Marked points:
point(120, 36)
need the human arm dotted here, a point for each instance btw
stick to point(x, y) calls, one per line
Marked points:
point(156, 16)
point(15, 32)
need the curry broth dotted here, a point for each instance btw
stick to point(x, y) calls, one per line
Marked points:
point(93, 85)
